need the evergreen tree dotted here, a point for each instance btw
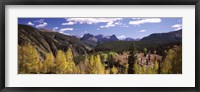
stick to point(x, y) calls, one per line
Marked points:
point(145, 51)
point(132, 58)
point(91, 65)
point(110, 60)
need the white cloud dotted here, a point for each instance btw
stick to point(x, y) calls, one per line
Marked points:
point(118, 23)
point(68, 23)
point(55, 28)
point(66, 33)
point(145, 20)
point(92, 20)
point(143, 30)
point(109, 24)
point(41, 25)
point(177, 26)
point(30, 23)
point(63, 30)
point(121, 37)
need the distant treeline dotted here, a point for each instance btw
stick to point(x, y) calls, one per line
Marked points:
point(121, 46)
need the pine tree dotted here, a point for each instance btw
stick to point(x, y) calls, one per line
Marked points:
point(145, 51)
point(132, 59)
point(91, 65)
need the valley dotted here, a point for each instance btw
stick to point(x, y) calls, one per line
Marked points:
point(48, 52)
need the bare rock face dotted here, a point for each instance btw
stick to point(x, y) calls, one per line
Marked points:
point(94, 40)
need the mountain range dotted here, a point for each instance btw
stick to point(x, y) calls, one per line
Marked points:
point(156, 41)
point(93, 41)
point(49, 41)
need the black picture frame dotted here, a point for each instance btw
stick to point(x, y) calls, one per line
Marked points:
point(99, 2)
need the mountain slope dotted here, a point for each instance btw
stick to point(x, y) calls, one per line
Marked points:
point(47, 41)
point(175, 36)
point(154, 42)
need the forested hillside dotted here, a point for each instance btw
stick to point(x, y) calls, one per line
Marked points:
point(49, 52)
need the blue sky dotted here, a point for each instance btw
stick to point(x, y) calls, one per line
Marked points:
point(121, 27)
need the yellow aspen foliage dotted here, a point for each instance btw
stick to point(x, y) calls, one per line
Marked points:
point(143, 70)
point(107, 71)
point(69, 55)
point(60, 62)
point(114, 70)
point(150, 70)
point(126, 68)
point(70, 65)
point(21, 68)
point(136, 68)
point(29, 59)
point(177, 61)
point(99, 67)
point(40, 67)
point(79, 71)
point(155, 67)
point(94, 65)
point(166, 66)
point(48, 64)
